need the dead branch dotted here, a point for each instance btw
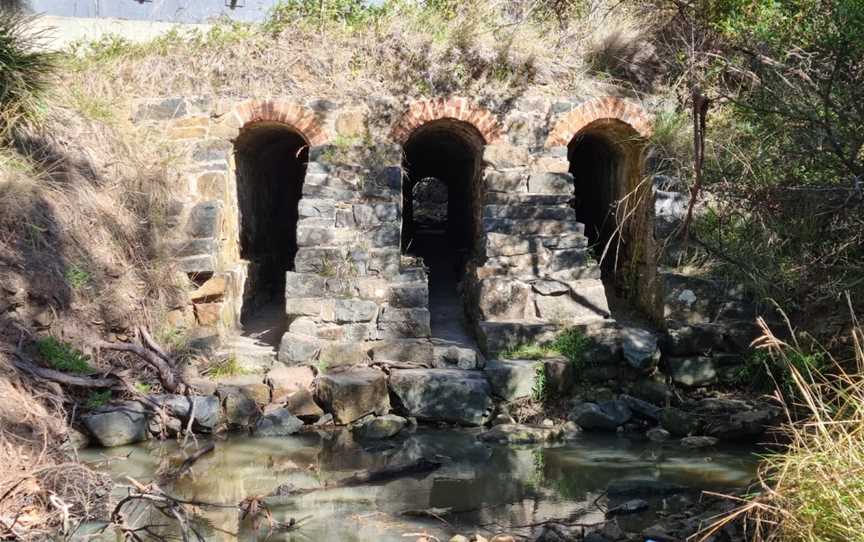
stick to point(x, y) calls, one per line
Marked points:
point(187, 464)
point(162, 367)
point(151, 343)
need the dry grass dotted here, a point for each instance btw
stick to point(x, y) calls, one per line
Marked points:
point(814, 490)
point(42, 491)
point(479, 50)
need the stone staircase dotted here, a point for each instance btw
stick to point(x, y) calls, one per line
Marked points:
point(250, 353)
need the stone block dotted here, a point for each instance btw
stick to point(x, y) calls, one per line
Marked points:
point(511, 379)
point(208, 314)
point(304, 285)
point(503, 155)
point(344, 311)
point(188, 128)
point(403, 350)
point(302, 404)
point(211, 185)
point(504, 299)
point(195, 247)
point(550, 287)
point(317, 259)
point(250, 385)
point(560, 375)
point(531, 227)
point(499, 244)
point(499, 336)
point(395, 323)
point(295, 348)
point(345, 218)
point(204, 265)
point(163, 109)
point(328, 192)
point(409, 295)
point(315, 236)
point(316, 208)
point(567, 259)
point(506, 181)
point(375, 214)
point(544, 182)
point(335, 354)
point(380, 427)
point(383, 236)
point(304, 306)
point(525, 212)
point(639, 347)
point(211, 150)
point(447, 395)
point(303, 325)
point(691, 371)
point(213, 288)
point(205, 220)
point(452, 356)
point(206, 410)
point(240, 411)
point(350, 395)
point(285, 381)
point(277, 423)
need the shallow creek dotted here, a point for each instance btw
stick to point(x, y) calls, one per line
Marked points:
point(481, 487)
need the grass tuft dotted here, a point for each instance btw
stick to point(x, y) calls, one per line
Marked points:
point(63, 357)
point(813, 491)
point(25, 71)
point(225, 367)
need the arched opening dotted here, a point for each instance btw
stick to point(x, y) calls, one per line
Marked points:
point(271, 163)
point(606, 164)
point(440, 214)
point(596, 168)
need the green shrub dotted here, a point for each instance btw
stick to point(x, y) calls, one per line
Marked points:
point(97, 398)
point(62, 356)
point(764, 370)
point(540, 391)
point(25, 72)
point(573, 345)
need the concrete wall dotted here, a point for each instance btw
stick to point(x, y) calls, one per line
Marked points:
point(64, 31)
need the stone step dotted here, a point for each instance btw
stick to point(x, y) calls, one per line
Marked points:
point(250, 353)
point(530, 226)
point(541, 212)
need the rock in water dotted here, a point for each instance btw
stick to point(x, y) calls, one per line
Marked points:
point(279, 423)
point(447, 395)
point(352, 394)
point(606, 416)
point(118, 424)
point(380, 427)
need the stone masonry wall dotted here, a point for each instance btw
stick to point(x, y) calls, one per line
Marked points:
point(532, 272)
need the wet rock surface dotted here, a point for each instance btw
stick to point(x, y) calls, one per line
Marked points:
point(446, 395)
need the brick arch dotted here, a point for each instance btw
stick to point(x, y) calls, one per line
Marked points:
point(297, 116)
point(464, 110)
point(599, 109)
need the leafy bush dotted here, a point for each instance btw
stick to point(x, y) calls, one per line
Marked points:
point(764, 370)
point(25, 72)
point(62, 356)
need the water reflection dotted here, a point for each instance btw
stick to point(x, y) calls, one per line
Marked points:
point(480, 485)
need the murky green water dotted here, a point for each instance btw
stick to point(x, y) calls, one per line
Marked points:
point(490, 488)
